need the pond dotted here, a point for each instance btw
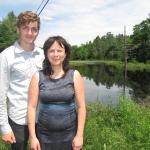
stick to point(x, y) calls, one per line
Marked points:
point(105, 83)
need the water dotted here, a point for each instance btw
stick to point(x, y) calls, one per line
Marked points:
point(105, 83)
point(95, 93)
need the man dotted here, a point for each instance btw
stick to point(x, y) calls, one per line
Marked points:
point(17, 65)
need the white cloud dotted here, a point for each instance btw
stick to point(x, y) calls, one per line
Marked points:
point(81, 21)
point(47, 18)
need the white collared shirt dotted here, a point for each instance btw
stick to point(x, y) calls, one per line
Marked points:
point(16, 69)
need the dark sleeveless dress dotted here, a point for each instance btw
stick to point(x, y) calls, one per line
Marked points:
point(57, 119)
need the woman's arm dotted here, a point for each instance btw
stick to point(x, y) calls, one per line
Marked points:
point(80, 100)
point(32, 105)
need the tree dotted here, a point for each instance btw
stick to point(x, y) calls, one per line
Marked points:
point(97, 48)
point(8, 34)
point(110, 45)
point(141, 41)
point(5, 38)
point(73, 52)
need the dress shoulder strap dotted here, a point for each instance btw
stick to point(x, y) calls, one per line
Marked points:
point(71, 73)
point(41, 76)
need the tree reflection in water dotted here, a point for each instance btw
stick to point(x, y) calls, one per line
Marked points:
point(104, 82)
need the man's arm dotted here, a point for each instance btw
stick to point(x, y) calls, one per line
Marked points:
point(6, 131)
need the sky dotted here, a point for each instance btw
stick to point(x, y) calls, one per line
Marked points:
point(81, 21)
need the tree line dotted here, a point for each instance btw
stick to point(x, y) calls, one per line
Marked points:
point(107, 47)
point(110, 47)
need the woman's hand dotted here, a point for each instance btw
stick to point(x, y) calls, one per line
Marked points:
point(34, 144)
point(77, 142)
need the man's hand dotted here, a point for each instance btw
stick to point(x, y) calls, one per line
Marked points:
point(9, 138)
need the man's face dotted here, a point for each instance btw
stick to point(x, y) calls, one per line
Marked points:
point(28, 32)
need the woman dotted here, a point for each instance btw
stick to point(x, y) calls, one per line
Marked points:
point(57, 87)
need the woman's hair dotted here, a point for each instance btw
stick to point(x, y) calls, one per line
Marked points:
point(47, 68)
point(27, 17)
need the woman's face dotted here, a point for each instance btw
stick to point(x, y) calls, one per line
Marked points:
point(56, 54)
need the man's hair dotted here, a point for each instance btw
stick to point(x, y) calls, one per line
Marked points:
point(25, 18)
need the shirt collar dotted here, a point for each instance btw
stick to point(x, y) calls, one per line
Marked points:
point(19, 49)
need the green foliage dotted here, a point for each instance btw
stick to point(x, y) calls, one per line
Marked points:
point(121, 126)
point(124, 126)
point(8, 34)
point(108, 47)
point(141, 41)
point(4, 146)
point(5, 37)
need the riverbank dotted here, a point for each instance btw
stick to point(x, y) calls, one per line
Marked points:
point(129, 66)
point(123, 126)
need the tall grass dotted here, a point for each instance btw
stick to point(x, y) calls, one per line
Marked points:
point(4, 146)
point(121, 126)
point(125, 126)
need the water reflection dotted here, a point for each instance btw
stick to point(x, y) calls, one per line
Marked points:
point(100, 93)
point(105, 83)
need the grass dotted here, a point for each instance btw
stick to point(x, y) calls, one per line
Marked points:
point(121, 126)
point(125, 126)
point(119, 64)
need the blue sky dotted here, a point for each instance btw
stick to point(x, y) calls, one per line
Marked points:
point(80, 21)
